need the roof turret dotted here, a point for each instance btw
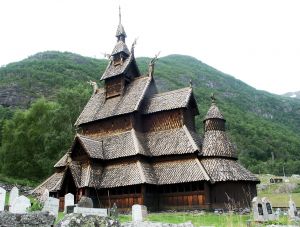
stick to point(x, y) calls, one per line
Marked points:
point(213, 112)
point(120, 34)
point(216, 141)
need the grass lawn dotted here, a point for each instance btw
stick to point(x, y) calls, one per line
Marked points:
point(207, 219)
point(279, 199)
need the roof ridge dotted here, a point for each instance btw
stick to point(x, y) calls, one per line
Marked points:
point(203, 170)
point(135, 141)
point(170, 92)
point(142, 174)
point(190, 138)
point(143, 93)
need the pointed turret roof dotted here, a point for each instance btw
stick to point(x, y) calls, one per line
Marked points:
point(120, 30)
point(213, 111)
point(216, 142)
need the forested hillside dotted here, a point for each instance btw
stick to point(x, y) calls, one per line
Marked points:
point(41, 97)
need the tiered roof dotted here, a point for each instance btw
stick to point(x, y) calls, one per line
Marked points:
point(219, 153)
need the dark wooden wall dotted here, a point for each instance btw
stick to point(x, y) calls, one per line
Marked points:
point(114, 86)
point(163, 120)
point(240, 194)
point(108, 126)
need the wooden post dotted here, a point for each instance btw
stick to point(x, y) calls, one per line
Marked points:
point(143, 192)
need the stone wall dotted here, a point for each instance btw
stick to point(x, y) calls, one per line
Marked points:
point(26, 220)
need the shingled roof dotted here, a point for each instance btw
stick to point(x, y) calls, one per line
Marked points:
point(214, 112)
point(217, 143)
point(98, 107)
point(220, 169)
point(172, 141)
point(180, 171)
point(53, 183)
point(120, 47)
point(169, 100)
point(115, 70)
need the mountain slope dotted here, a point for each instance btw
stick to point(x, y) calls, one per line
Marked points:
point(295, 94)
point(258, 122)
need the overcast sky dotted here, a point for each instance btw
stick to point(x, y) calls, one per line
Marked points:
point(256, 41)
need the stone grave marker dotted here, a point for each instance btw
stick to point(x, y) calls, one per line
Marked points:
point(69, 201)
point(139, 212)
point(51, 205)
point(85, 202)
point(2, 198)
point(44, 196)
point(14, 193)
point(293, 213)
point(91, 211)
point(268, 210)
point(114, 212)
point(258, 211)
point(20, 205)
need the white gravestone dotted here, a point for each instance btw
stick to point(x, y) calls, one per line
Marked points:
point(2, 198)
point(139, 212)
point(44, 196)
point(14, 194)
point(91, 211)
point(20, 205)
point(292, 209)
point(69, 201)
point(268, 210)
point(258, 211)
point(52, 206)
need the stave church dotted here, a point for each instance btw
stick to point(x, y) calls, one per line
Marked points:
point(137, 146)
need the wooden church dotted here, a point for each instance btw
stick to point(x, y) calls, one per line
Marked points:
point(137, 146)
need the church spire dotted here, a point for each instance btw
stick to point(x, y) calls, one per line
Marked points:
point(120, 34)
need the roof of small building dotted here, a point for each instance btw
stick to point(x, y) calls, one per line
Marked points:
point(98, 107)
point(53, 183)
point(214, 112)
point(220, 169)
point(169, 100)
point(217, 143)
point(115, 70)
point(120, 47)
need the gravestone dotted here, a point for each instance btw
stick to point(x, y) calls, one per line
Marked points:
point(258, 211)
point(268, 210)
point(14, 193)
point(69, 201)
point(2, 198)
point(85, 202)
point(114, 212)
point(51, 205)
point(20, 205)
point(139, 212)
point(292, 209)
point(91, 211)
point(44, 196)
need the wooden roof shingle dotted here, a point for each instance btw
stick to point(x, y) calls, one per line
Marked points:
point(168, 101)
point(217, 143)
point(180, 171)
point(214, 112)
point(98, 107)
point(220, 169)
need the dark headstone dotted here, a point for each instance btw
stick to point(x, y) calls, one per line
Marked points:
point(85, 202)
point(70, 209)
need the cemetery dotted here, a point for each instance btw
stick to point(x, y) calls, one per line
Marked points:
point(16, 210)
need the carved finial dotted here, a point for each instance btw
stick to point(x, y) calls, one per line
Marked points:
point(95, 86)
point(213, 98)
point(69, 159)
point(133, 45)
point(191, 83)
point(152, 63)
